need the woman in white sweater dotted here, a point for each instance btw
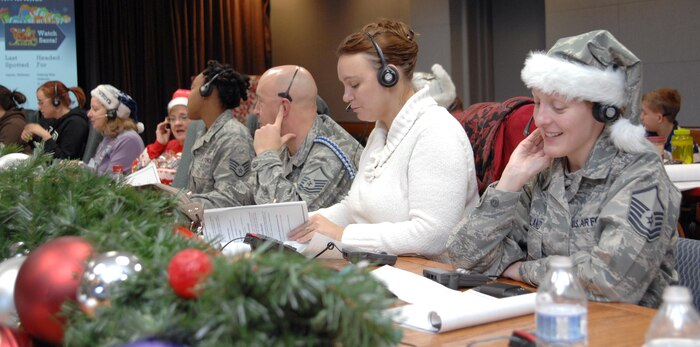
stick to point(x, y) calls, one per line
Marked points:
point(416, 177)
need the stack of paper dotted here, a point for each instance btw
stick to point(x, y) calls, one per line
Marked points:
point(436, 308)
point(684, 176)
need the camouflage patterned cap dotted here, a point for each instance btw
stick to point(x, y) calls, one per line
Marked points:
point(594, 67)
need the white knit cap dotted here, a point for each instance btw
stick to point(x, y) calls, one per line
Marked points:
point(593, 67)
point(114, 99)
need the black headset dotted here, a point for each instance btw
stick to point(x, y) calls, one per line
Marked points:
point(605, 113)
point(112, 113)
point(206, 89)
point(387, 75)
point(56, 101)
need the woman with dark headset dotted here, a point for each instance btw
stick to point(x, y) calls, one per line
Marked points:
point(416, 175)
point(114, 114)
point(67, 131)
point(223, 150)
point(586, 184)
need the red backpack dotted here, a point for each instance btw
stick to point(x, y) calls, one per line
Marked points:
point(494, 130)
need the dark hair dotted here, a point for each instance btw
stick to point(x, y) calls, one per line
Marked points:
point(232, 86)
point(396, 39)
point(666, 101)
point(52, 89)
point(10, 99)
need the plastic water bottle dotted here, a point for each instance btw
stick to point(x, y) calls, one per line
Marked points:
point(677, 322)
point(561, 307)
point(117, 172)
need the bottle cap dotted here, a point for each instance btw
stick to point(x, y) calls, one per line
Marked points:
point(559, 261)
point(677, 294)
point(117, 168)
point(681, 131)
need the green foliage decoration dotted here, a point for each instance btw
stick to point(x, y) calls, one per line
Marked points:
point(267, 298)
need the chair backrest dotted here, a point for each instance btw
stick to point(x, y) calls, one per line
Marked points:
point(182, 174)
point(93, 140)
point(494, 130)
point(688, 266)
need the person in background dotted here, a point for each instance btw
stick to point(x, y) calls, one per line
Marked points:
point(221, 155)
point(12, 119)
point(299, 155)
point(114, 114)
point(66, 136)
point(416, 177)
point(659, 110)
point(166, 151)
point(586, 184)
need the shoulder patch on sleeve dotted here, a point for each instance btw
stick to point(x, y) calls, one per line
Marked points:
point(240, 169)
point(646, 213)
point(314, 181)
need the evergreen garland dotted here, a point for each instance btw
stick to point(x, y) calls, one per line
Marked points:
point(264, 299)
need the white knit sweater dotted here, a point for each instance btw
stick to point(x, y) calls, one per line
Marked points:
point(413, 185)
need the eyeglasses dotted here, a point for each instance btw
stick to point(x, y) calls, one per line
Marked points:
point(175, 119)
point(286, 94)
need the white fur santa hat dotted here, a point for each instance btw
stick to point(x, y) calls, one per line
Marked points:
point(593, 67)
point(114, 99)
point(179, 98)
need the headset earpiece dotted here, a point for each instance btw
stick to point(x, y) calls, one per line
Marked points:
point(56, 101)
point(387, 75)
point(605, 113)
point(112, 114)
point(206, 89)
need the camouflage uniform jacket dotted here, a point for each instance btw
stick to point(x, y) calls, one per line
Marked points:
point(616, 219)
point(320, 173)
point(220, 170)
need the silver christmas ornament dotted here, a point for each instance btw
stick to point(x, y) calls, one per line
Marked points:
point(102, 274)
point(8, 274)
point(18, 249)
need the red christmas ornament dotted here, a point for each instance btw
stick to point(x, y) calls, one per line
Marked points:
point(48, 277)
point(180, 230)
point(186, 270)
point(14, 338)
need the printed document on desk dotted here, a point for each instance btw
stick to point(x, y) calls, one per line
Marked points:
point(272, 220)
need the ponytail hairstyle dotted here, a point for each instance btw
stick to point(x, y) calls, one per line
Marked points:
point(10, 99)
point(56, 89)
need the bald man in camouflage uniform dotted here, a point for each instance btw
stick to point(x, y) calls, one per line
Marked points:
point(615, 217)
point(299, 155)
point(222, 152)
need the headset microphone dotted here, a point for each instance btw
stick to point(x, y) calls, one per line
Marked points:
point(526, 131)
point(347, 109)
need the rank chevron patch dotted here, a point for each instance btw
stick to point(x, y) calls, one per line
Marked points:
point(646, 213)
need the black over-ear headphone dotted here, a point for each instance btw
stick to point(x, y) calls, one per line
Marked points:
point(206, 89)
point(56, 101)
point(112, 113)
point(605, 113)
point(387, 75)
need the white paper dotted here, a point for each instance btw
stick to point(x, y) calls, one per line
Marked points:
point(683, 172)
point(436, 308)
point(145, 176)
point(682, 186)
point(413, 288)
point(470, 311)
point(272, 220)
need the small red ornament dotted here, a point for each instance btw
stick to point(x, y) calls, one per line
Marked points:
point(180, 230)
point(48, 277)
point(14, 338)
point(186, 270)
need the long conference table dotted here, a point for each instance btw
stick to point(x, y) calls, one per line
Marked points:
point(609, 324)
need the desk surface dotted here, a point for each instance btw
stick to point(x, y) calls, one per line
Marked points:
point(609, 324)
